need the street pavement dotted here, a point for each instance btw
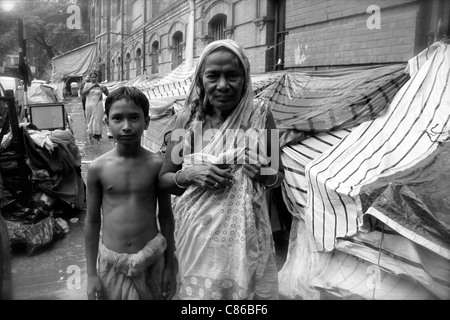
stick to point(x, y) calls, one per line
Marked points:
point(58, 271)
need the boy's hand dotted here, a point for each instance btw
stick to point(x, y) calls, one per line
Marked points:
point(94, 288)
point(169, 283)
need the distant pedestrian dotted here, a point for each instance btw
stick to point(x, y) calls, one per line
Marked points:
point(94, 107)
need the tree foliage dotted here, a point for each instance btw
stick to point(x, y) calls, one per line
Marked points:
point(47, 34)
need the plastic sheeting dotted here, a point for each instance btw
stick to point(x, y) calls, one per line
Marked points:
point(385, 173)
point(324, 101)
point(379, 265)
point(416, 201)
point(59, 170)
point(392, 142)
point(75, 63)
point(295, 158)
point(42, 93)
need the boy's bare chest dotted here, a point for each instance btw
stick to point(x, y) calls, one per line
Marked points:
point(127, 179)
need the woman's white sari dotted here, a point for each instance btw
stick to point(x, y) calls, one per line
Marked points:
point(223, 238)
point(94, 113)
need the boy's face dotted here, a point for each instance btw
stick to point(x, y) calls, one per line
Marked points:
point(127, 122)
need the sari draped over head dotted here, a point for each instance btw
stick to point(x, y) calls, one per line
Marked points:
point(223, 238)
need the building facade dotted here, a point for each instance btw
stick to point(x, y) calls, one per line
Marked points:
point(138, 37)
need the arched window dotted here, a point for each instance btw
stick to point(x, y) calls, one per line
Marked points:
point(119, 69)
point(177, 50)
point(216, 27)
point(138, 62)
point(155, 57)
point(127, 66)
point(280, 34)
point(93, 21)
point(113, 69)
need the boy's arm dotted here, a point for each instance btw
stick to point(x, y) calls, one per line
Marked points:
point(92, 228)
point(172, 164)
point(166, 222)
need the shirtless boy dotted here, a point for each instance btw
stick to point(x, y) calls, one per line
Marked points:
point(135, 258)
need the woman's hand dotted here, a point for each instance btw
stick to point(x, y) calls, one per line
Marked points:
point(253, 164)
point(212, 177)
point(252, 168)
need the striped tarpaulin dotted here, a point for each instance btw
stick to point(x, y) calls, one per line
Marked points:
point(385, 249)
point(394, 141)
point(380, 265)
point(295, 158)
point(323, 101)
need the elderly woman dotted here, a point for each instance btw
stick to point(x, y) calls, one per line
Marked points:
point(94, 107)
point(217, 166)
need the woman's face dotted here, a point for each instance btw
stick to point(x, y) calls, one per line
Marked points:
point(223, 80)
point(93, 78)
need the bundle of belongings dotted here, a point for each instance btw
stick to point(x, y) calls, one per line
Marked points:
point(54, 167)
point(370, 200)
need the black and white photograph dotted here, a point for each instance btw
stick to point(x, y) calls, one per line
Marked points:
point(236, 157)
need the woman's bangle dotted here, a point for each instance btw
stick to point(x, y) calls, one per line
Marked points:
point(175, 178)
point(268, 186)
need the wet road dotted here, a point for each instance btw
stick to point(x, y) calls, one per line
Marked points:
point(58, 271)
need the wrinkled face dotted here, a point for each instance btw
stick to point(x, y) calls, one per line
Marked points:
point(223, 80)
point(127, 122)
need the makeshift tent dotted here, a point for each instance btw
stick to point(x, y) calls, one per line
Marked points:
point(323, 101)
point(75, 63)
point(43, 93)
point(397, 139)
point(367, 226)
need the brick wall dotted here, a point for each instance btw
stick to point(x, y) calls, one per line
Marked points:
point(246, 32)
point(321, 33)
point(334, 32)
